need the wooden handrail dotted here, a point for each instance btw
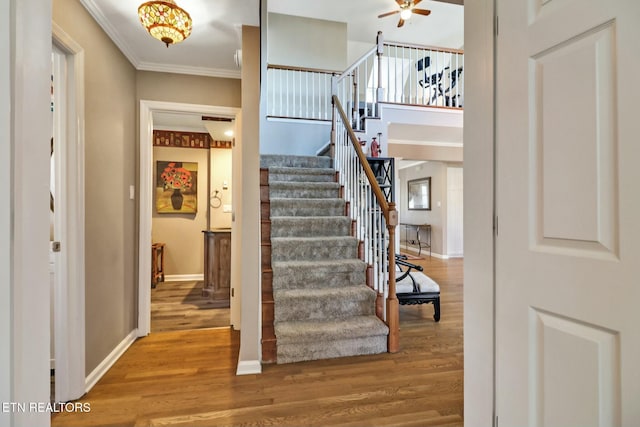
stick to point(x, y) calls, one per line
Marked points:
point(391, 219)
point(382, 201)
point(303, 69)
point(424, 47)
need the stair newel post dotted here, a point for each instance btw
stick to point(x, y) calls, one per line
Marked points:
point(393, 315)
point(380, 54)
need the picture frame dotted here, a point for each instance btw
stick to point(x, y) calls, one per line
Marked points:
point(176, 187)
point(419, 194)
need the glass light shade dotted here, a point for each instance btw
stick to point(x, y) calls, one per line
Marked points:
point(405, 14)
point(165, 21)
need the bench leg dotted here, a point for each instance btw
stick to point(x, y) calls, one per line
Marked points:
point(436, 308)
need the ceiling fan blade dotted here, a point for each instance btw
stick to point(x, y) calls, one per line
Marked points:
point(400, 22)
point(400, 2)
point(424, 12)
point(459, 2)
point(415, 2)
point(388, 13)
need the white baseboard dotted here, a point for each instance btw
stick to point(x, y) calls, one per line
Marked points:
point(108, 362)
point(184, 277)
point(433, 254)
point(248, 367)
point(423, 253)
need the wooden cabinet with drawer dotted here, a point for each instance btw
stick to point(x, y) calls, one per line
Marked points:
point(217, 266)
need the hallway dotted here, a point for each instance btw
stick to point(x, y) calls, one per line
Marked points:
point(188, 378)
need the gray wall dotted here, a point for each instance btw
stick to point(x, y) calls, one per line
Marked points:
point(113, 89)
point(110, 168)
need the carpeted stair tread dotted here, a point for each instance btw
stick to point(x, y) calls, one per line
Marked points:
point(304, 190)
point(317, 273)
point(322, 305)
point(313, 248)
point(291, 226)
point(336, 265)
point(329, 349)
point(290, 174)
point(307, 207)
point(278, 160)
point(326, 330)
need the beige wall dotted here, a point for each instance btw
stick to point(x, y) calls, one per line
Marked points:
point(307, 42)
point(220, 173)
point(167, 87)
point(110, 168)
point(437, 215)
point(182, 233)
point(248, 205)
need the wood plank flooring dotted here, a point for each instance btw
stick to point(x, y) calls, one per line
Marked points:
point(187, 378)
point(178, 306)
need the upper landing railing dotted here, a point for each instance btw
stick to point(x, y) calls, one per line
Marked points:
point(389, 72)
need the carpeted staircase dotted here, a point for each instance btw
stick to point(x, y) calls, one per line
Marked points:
point(322, 306)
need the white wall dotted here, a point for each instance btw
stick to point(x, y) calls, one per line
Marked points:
point(6, 317)
point(25, 55)
point(478, 238)
point(284, 137)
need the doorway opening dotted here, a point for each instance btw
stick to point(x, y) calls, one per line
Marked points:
point(180, 299)
point(191, 221)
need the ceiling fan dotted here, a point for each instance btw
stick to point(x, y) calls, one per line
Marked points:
point(407, 8)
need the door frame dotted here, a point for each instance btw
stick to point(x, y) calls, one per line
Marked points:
point(145, 186)
point(69, 297)
point(479, 213)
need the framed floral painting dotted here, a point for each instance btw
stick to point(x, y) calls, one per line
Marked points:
point(176, 187)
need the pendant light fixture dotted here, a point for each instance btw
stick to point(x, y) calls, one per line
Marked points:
point(165, 21)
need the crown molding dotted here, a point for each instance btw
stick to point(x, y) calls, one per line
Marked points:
point(113, 34)
point(129, 53)
point(195, 71)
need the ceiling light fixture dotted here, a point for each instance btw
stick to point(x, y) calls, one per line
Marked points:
point(405, 13)
point(165, 21)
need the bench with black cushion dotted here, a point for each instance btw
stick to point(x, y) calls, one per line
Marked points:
point(414, 287)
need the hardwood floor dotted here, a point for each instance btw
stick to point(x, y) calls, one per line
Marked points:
point(187, 378)
point(177, 306)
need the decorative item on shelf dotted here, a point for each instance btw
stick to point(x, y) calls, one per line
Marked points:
point(375, 148)
point(165, 21)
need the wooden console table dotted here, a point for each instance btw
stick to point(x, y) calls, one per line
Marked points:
point(157, 263)
point(412, 236)
point(217, 266)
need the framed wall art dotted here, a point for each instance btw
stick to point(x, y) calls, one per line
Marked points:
point(176, 187)
point(419, 194)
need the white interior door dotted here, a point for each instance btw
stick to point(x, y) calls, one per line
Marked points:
point(68, 278)
point(568, 206)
